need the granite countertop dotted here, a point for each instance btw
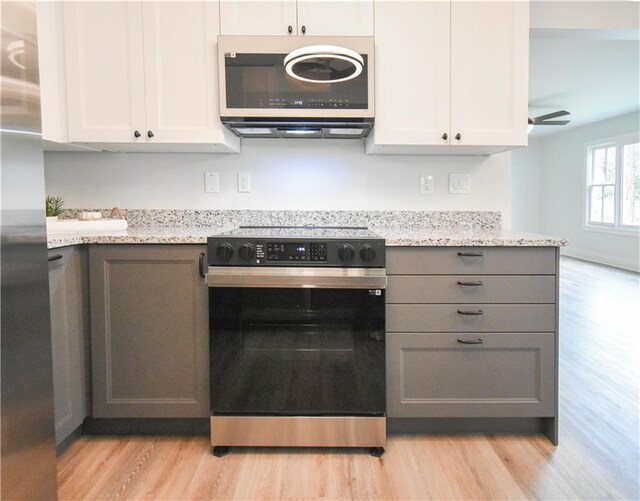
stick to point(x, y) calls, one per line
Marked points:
point(140, 235)
point(394, 237)
point(428, 237)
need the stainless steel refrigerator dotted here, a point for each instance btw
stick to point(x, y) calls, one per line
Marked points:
point(28, 462)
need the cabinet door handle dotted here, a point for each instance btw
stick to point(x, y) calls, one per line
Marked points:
point(471, 284)
point(471, 254)
point(470, 312)
point(149, 134)
point(201, 265)
point(472, 341)
point(303, 29)
point(290, 29)
point(55, 257)
point(136, 134)
point(458, 136)
point(445, 136)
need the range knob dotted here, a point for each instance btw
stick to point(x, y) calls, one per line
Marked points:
point(346, 252)
point(246, 252)
point(224, 252)
point(367, 252)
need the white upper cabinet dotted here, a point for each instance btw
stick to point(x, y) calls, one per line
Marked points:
point(335, 18)
point(105, 77)
point(301, 17)
point(142, 76)
point(179, 75)
point(268, 17)
point(53, 82)
point(455, 81)
point(412, 73)
point(489, 72)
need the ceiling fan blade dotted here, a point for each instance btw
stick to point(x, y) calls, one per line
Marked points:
point(553, 122)
point(555, 114)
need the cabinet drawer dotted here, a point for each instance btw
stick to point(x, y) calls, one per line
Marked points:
point(494, 318)
point(434, 375)
point(471, 289)
point(471, 261)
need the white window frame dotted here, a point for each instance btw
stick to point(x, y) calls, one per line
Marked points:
point(616, 227)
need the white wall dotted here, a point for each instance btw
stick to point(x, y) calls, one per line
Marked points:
point(561, 162)
point(526, 165)
point(285, 174)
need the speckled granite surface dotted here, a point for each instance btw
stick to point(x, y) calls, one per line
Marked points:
point(141, 235)
point(233, 218)
point(393, 236)
point(399, 228)
point(426, 237)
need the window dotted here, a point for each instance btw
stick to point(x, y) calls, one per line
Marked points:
point(613, 183)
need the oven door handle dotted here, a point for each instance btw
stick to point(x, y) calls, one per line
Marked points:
point(293, 277)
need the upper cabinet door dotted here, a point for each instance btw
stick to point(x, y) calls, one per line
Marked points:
point(180, 42)
point(412, 75)
point(105, 76)
point(489, 72)
point(336, 18)
point(258, 17)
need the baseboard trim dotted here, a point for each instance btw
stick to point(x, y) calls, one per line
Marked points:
point(402, 426)
point(68, 442)
point(146, 426)
point(594, 257)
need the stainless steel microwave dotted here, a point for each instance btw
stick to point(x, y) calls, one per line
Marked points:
point(296, 86)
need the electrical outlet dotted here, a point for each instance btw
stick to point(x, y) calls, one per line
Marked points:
point(426, 184)
point(460, 184)
point(211, 182)
point(244, 182)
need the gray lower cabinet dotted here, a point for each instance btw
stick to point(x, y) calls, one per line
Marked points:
point(69, 298)
point(149, 331)
point(439, 375)
point(472, 333)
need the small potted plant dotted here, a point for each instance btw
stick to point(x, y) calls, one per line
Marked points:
point(53, 207)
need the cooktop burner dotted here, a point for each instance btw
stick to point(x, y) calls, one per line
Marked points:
point(334, 246)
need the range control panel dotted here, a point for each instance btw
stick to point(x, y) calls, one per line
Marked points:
point(365, 253)
point(296, 251)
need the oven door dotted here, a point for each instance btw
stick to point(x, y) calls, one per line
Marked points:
point(297, 351)
point(316, 81)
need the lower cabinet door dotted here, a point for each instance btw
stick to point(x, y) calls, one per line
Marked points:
point(470, 374)
point(149, 331)
point(68, 293)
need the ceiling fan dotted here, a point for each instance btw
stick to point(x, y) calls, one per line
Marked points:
point(546, 119)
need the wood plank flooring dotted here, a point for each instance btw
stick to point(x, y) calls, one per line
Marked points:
point(598, 455)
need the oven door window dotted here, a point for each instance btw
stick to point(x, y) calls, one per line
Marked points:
point(260, 81)
point(297, 352)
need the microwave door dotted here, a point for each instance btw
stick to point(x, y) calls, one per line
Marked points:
point(259, 82)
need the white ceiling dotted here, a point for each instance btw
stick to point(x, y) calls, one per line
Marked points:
point(592, 79)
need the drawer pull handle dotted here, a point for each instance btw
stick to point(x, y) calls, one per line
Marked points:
point(471, 254)
point(55, 257)
point(470, 312)
point(473, 341)
point(471, 284)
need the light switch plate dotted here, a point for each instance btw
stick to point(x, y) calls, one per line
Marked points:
point(426, 184)
point(459, 184)
point(211, 182)
point(244, 182)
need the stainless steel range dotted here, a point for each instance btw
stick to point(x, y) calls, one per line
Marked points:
point(297, 338)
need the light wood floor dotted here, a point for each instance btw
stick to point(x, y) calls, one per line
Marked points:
point(598, 455)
